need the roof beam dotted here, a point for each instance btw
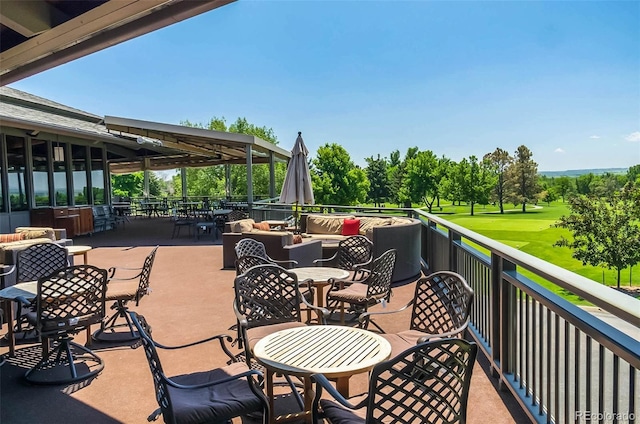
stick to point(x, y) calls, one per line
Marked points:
point(28, 18)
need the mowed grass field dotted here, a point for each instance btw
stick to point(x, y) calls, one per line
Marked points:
point(533, 232)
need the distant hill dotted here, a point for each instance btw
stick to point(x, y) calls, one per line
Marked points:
point(578, 172)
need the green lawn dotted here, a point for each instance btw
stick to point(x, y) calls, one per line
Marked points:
point(533, 232)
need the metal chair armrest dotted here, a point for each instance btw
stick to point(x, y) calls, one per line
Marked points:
point(453, 333)
point(290, 262)
point(365, 317)
point(323, 313)
point(322, 383)
point(24, 301)
point(113, 270)
point(247, 374)
point(321, 260)
point(5, 273)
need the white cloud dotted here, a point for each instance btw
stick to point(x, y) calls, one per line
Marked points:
point(559, 150)
point(634, 136)
point(595, 137)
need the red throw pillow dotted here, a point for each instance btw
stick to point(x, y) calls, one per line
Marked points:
point(350, 227)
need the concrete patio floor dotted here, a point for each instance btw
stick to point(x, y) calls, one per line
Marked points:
point(191, 299)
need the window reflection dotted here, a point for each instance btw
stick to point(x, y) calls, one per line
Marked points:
point(60, 177)
point(16, 172)
point(79, 169)
point(40, 172)
point(97, 176)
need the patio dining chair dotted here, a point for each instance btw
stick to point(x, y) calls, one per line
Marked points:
point(67, 301)
point(34, 262)
point(441, 308)
point(122, 290)
point(360, 295)
point(251, 247)
point(268, 299)
point(213, 396)
point(354, 254)
point(427, 383)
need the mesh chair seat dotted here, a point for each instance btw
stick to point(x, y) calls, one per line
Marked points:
point(356, 293)
point(214, 403)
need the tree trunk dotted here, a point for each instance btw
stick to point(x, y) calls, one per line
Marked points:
point(501, 207)
point(472, 208)
point(524, 207)
point(619, 277)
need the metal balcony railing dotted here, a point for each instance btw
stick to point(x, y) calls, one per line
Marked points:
point(563, 363)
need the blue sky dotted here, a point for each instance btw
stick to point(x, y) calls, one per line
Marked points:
point(457, 78)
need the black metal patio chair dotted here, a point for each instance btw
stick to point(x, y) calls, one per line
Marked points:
point(354, 254)
point(441, 308)
point(214, 396)
point(427, 383)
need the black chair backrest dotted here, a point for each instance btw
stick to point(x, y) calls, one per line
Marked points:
point(379, 281)
point(427, 383)
point(71, 298)
point(145, 274)
point(162, 391)
point(442, 303)
point(243, 263)
point(352, 251)
point(247, 246)
point(268, 294)
point(40, 260)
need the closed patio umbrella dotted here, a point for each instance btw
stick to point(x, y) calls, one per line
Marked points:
point(297, 183)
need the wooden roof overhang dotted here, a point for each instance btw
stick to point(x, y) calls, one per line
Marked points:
point(168, 146)
point(36, 35)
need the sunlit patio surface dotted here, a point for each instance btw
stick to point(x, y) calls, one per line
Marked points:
point(191, 299)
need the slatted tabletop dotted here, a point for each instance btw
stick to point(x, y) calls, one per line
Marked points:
point(334, 351)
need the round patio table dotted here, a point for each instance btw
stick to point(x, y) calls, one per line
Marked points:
point(335, 351)
point(320, 275)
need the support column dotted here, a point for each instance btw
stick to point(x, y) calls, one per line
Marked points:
point(272, 176)
point(227, 181)
point(183, 181)
point(249, 177)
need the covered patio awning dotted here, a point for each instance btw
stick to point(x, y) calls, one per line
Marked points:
point(37, 35)
point(168, 146)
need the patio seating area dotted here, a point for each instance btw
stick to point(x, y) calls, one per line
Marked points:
point(191, 300)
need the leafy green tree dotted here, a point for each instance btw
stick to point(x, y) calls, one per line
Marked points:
point(395, 171)
point(127, 185)
point(633, 174)
point(522, 178)
point(157, 186)
point(606, 231)
point(378, 179)
point(477, 181)
point(563, 186)
point(548, 195)
point(336, 179)
point(420, 178)
point(583, 184)
point(498, 163)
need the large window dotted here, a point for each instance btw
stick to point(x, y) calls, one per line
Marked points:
point(3, 207)
point(79, 169)
point(39, 154)
point(16, 161)
point(97, 176)
point(60, 174)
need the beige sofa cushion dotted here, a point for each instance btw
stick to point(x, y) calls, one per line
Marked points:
point(368, 222)
point(6, 249)
point(242, 226)
point(326, 224)
point(37, 232)
point(287, 235)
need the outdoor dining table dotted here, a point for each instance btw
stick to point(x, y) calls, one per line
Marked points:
point(320, 275)
point(337, 352)
point(8, 295)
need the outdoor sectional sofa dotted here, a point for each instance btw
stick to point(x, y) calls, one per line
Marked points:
point(23, 237)
point(324, 231)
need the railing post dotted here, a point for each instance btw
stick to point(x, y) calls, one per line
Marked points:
point(503, 315)
point(454, 238)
